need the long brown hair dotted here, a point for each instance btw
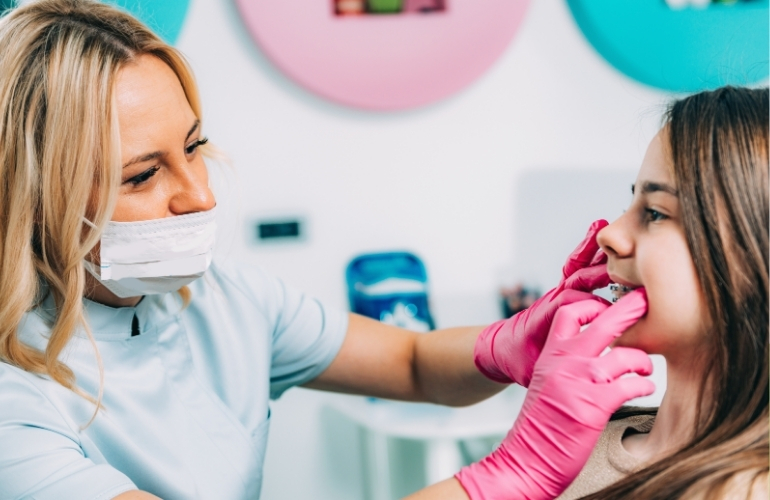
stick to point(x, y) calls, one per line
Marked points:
point(60, 158)
point(719, 145)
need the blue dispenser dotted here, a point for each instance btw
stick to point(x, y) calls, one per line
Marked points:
point(391, 287)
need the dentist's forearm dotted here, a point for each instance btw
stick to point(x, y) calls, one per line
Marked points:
point(444, 369)
point(137, 495)
point(449, 489)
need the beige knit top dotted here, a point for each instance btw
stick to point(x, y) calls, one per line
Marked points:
point(609, 462)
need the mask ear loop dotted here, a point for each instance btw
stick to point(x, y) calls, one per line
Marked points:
point(90, 267)
point(91, 224)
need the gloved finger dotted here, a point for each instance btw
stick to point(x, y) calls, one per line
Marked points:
point(613, 322)
point(625, 389)
point(585, 251)
point(589, 278)
point(599, 258)
point(568, 319)
point(564, 298)
point(620, 361)
point(570, 296)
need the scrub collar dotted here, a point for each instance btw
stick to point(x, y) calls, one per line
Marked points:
point(114, 323)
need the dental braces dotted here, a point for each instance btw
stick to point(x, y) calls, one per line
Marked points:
point(618, 291)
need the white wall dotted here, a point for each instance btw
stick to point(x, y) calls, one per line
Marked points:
point(440, 181)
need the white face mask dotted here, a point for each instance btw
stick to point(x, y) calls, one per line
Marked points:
point(155, 256)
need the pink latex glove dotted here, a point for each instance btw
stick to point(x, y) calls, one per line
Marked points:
point(506, 351)
point(574, 392)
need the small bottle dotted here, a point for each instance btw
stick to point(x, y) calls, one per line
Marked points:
point(384, 6)
point(424, 5)
point(349, 7)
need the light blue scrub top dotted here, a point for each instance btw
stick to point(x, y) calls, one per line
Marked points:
point(186, 401)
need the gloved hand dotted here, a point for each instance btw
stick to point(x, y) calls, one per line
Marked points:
point(573, 393)
point(506, 351)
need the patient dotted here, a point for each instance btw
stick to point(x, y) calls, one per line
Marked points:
point(696, 237)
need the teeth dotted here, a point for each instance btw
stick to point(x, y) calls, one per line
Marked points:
point(618, 291)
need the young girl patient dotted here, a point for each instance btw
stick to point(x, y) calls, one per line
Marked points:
point(696, 238)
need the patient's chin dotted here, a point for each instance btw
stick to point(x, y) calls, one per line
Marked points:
point(631, 337)
point(621, 342)
point(642, 336)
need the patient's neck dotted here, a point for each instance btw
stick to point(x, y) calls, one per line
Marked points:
point(676, 421)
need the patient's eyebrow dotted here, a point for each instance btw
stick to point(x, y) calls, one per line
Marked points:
point(653, 187)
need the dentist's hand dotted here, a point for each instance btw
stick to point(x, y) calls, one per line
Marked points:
point(506, 351)
point(573, 393)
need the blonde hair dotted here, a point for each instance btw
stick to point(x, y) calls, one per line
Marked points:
point(60, 160)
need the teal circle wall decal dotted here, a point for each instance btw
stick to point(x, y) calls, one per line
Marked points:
point(164, 17)
point(679, 46)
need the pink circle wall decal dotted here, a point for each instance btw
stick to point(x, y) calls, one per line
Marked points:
point(383, 61)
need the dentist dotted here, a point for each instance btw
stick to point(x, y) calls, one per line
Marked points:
point(134, 367)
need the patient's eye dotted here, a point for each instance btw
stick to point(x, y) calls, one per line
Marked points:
point(653, 215)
